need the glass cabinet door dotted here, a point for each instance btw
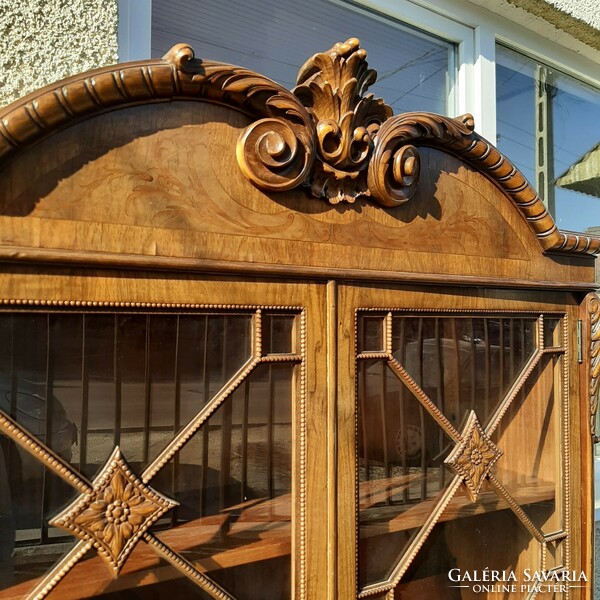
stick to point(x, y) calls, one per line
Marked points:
point(314, 442)
point(461, 445)
point(157, 451)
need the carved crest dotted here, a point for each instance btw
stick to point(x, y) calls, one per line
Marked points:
point(326, 135)
point(332, 86)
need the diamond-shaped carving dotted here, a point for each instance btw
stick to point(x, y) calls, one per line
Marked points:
point(474, 456)
point(116, 513)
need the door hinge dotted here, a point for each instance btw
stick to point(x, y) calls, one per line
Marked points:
point(580, 341)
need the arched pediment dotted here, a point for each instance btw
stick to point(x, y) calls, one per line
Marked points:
point(156, 144)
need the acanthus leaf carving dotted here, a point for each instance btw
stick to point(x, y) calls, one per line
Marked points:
point(332, 86)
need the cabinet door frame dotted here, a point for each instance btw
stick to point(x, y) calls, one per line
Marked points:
point(458, 301)
point(112, 291)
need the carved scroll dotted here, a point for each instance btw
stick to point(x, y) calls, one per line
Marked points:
point(281, 140)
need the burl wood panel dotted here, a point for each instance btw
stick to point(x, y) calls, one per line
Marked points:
point(162, 181)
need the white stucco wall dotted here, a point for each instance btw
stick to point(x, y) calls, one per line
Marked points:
point(42, 41)
point(587, 11)
point(579, 18)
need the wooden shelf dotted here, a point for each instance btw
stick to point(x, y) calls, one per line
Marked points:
point(261, 531)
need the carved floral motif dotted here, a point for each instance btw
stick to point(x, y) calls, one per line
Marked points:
point(332, 86)
point(474, 456)
point(116, 513)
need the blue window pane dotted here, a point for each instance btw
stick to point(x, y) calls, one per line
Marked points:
point(276, 37)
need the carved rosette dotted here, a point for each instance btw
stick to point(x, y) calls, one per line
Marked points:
point(332, 86)
point(474, 456)
point(118, 511)
point(594, 313)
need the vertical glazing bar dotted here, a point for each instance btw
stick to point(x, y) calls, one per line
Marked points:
point(473, 349)
point(457, 375)
point(270, 416)
point(225, 428)
point(511, 341)
point(205, 428)
point(439, 385)
point(46, 484)
point(422, 423)
point(487, 368)
point(147, 392)
point(176, 417)
point(14, 382)
point(384, 437)
point(245, 441)
point(270, 432)
point(117, 376)
point(501, 361)
point(85, 397)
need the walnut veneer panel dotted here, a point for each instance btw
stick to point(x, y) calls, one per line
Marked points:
point(162, 181)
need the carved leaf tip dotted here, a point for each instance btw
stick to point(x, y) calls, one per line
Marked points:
point(468, 121)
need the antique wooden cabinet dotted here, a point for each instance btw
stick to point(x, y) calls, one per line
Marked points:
point(265, 344)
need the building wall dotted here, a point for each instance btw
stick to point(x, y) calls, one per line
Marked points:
point(580, 18)
point(42, 41)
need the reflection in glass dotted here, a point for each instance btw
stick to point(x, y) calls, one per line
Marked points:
point(145, 576)
point(530, 435)
point(276, 37)
point(462, 364)
point(557, 140)
point(370, 334)
point(233, 481)
point(497, 541)
point(401, 471)
point(83, 383)
point(278, 334)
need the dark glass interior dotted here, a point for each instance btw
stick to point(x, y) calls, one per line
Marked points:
point(83, 383)
point(461, 364)
point(464, 363)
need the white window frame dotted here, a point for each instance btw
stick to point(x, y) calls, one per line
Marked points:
point(134, 30)
point(475, 31)
point(462, 98)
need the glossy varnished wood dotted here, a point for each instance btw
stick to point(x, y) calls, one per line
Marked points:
point(152, 187)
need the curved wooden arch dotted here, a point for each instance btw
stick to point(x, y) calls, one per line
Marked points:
point(327, 133)
point(458, 137)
